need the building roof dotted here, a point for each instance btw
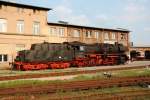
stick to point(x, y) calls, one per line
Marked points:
point(90, 27)
point(145, 46)
point(23, 5)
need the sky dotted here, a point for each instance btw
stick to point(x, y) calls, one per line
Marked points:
point(133, 15)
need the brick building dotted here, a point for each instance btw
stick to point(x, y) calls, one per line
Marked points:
point(140, 49)
point(87, 34)
point(22, 25)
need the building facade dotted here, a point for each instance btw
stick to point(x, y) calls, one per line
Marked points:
point(140, 49)
point(22, 25)
point(68, 33)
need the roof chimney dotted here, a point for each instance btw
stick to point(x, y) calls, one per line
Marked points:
point(63, 22)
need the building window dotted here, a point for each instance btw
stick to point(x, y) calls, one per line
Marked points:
point(123, 36)
point(20, 26)
point(82, 48)
point(96, 35)
point(20, 47)
point(3, 57)
point(36, 28)
point(52, 31)
point(61, 31)
point(76, 33)
point(106, 36)
point(113, 36)
point(3, 25)
point(88, 34)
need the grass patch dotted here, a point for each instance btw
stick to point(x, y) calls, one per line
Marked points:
point(124, 73)
point(85, 77)
point(18, 83)
point(133, 72)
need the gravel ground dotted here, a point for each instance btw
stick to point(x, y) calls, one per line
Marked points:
point(132, 64)
point(129, 64)
point(69, 77)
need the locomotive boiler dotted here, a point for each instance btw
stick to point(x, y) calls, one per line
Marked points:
point(69, 54)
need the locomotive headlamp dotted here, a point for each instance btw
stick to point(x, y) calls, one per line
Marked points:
point(59, 57)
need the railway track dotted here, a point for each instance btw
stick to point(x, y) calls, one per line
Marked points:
point(76, 85)
point(4, 78)
point(127, 95)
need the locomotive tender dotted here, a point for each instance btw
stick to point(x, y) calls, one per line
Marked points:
point(69, 54)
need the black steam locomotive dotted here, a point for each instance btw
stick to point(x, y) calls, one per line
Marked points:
point(69, 54)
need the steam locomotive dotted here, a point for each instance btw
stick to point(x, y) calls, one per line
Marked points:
point(69, 54)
